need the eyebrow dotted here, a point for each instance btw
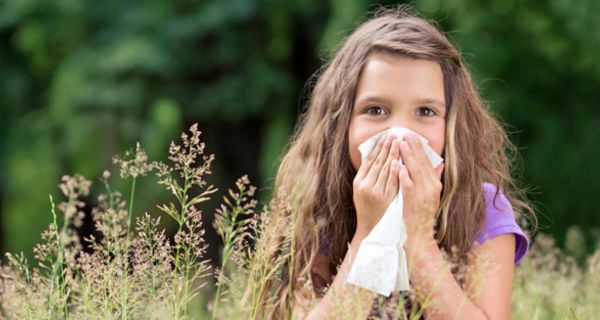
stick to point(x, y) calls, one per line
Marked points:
point(375, 98)
point(436, 102)
point(371, 98)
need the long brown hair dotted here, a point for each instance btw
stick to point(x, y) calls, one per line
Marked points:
point(317, 173)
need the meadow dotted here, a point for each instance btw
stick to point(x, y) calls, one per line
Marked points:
point(134, 270)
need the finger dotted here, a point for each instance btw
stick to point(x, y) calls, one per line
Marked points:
point(406, 183)
point(416, 146)
point(379, 161)
point(418, 150)
point(393, 182)
point(424, 159)
point(395, 152)
point(385, 170)
point(439, 170)
point(364, 167)
point(382, 178)
point(415, 142)
point(410, 162)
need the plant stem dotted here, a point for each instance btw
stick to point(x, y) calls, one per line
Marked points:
point(228, 238)
point(125, 290)
point(226, 255)
point(130, 212)
point(183, 203)
point(58, 263)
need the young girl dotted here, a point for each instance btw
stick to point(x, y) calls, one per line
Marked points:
point(398, 70)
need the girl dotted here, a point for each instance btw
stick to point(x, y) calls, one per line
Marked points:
point(398, 70)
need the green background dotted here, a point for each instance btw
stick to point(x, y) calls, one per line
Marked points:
point(81, 81)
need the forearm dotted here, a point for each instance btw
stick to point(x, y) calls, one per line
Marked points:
point(342, 297)
point(436, 287)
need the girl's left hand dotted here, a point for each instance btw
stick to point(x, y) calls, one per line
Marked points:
point(421, 189)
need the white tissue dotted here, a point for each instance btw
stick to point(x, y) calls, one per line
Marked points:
point(380, 264)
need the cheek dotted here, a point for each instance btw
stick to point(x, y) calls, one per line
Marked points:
point(438, 141)
point(353, 151)
point(356, 135)
point(435, 134)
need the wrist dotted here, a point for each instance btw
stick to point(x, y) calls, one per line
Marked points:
point(420, 243)
point(359, 236)
point(361, 232)
point(421, 231)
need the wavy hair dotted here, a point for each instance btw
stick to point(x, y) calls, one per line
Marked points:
point(316, 170)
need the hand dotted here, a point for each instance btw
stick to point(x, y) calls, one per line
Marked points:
point(376, 183)
point(421, 190)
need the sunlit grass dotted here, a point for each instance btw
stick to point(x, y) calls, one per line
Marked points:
point(135, 271)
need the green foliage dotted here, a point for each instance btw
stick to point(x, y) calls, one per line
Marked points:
point(537, 66)
point(81, 80)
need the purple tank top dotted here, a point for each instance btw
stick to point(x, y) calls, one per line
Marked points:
point(500, 219)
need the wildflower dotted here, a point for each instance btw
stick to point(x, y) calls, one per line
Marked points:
point(134, 164)
point(105, 175)
point(185, 175)
point(74, 188)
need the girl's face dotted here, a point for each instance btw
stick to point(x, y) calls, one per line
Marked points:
point(398, 91)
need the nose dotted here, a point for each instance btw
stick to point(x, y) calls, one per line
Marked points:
point(399, 121)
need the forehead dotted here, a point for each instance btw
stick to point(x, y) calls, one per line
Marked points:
point(400, 77)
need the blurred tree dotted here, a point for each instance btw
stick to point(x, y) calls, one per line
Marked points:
point(83, 81)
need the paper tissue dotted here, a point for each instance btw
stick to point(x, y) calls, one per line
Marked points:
point(380, 264)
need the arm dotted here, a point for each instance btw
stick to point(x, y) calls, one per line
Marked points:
point(430, 273)
point(341, 298)
point(375, 185)
point(489, 283)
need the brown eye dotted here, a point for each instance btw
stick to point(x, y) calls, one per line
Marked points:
point(426, 112)
point(375, 111)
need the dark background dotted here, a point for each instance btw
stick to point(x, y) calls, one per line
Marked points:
point(82, 81)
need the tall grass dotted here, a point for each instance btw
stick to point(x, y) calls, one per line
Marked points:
point(549, 284)
point(133, 270)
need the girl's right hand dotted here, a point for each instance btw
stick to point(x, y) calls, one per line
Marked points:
point(376, 183)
